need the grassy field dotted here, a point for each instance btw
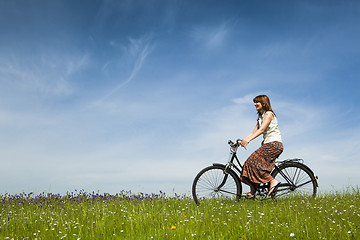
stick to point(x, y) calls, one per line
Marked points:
point(81, 215)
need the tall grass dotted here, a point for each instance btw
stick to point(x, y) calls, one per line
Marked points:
point(81, 215)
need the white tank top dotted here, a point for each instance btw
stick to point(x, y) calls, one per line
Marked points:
point(272, 132)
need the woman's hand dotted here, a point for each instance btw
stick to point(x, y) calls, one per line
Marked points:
point(243, 143)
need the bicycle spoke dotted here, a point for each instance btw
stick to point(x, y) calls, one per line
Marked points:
point(222, 190)
point(295, 178)
point(213, 183)
point(300, 185)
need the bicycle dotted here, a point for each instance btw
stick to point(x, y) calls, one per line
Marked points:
point(220, 181)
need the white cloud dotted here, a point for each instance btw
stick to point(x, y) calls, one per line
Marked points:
point(87, 155)
point(162, 141)
point(47, 76)
point(304, 136)
point(211, 37)
point(135, 53)
point(77, 64)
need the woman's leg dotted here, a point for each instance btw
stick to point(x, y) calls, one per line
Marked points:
point(250, 184)
point(258, 166)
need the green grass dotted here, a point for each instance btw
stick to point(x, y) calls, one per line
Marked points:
point(82, 215)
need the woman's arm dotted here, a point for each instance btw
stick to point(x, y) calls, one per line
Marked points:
point(258, 131)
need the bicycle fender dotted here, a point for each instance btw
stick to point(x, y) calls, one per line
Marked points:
point(222, 165)
point(305, 166)
point(219, 164)
point(316, 177)
point(297, 161)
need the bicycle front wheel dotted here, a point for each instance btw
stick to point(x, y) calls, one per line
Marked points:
point(214, 183)
point(295, 178)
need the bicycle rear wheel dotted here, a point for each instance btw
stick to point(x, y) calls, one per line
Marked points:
point(213, 183)
point(295, 178)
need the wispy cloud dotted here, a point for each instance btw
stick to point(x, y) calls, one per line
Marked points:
point(136, 52)
point(199, 89)
point(47, 74)
point(211, 36)
point(77, 64)
point(305, 129)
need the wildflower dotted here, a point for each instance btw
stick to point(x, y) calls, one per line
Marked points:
point(292, 234)
point(173, 227)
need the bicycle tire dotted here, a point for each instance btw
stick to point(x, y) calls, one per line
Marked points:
point(302, 180)
point(207, 182)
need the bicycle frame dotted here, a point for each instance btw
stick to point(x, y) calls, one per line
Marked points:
point(231, 166)
point(293, 186)
point(224, 180)
point(238, 167)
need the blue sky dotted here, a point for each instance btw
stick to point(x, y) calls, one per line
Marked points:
point(141, 95)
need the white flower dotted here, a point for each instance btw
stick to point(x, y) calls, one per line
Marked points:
point(292, 234)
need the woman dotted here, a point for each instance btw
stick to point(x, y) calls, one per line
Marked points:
point(258, 166)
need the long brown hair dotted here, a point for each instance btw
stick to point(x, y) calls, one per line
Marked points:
point(265, 102)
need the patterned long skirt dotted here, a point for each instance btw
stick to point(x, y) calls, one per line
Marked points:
point(260, 163)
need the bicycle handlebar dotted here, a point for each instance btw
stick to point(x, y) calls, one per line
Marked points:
point(235, 145)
